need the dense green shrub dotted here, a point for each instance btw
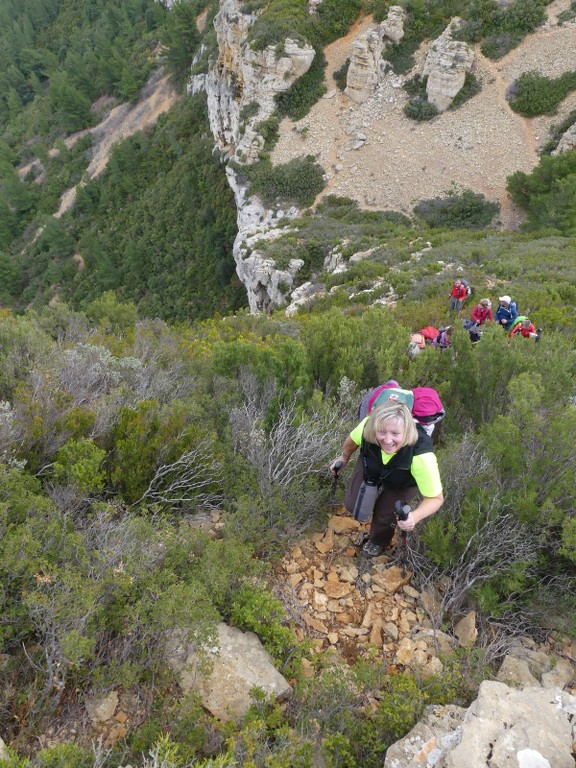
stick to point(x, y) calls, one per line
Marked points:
point(297, 101)
point(498, 45)
point(568, 15)
point(557, 131)
point(548, 194)
point(401, 55)
point(298, 181)
point(523, 16)
point(78, 465)
point(416, 86)
point(257, 610)
point(269, 129)
point(280, 20)
point(466, 209)
point(341, 75)
point(420, 109)
point(500, 29)
point(535, 94)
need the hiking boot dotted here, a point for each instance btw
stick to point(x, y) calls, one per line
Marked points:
point(372, 550)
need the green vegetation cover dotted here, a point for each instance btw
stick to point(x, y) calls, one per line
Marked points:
point(139, 399)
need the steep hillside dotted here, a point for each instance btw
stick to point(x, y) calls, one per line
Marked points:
point(401, 161)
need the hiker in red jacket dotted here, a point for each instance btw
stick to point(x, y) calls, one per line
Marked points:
point(457, 295)
point(526, 328)
point(482, 312)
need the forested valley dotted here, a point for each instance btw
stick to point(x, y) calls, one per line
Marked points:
point(138, 395)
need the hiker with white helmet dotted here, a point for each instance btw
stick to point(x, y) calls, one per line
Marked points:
point(507, 312)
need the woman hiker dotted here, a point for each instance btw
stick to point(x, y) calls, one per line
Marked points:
point(397, 462)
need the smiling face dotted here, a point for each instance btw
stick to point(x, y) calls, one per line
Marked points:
point(390, 435)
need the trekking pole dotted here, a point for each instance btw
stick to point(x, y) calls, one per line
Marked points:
point(402, 511)
point(336, 476)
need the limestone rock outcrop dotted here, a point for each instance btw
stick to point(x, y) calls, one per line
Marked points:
point(528, 728)
point(567, 142)
point(367, 67)
point(525, 666)
point(240, 89)
point(238, 663)
point(447, 63)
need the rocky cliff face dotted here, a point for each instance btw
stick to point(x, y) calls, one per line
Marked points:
point(370, 151)
point(528, 728)
point(240, 90)
point(244, 82)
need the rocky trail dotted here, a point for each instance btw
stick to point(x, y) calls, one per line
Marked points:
point(353, 605)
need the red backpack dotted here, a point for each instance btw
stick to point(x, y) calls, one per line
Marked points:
point(429, 332)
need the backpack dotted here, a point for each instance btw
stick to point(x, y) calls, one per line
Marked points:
point(443, 340)
point(427, 408)
point(368, 400)
point(519, 319)
point(429, 332)
point(466, 285)
point(424, 402)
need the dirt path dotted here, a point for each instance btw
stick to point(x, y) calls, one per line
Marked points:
point(476, 146)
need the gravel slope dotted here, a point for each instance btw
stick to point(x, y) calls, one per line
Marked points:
point(477, 146)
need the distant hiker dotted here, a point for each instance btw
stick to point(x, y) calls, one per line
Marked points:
point(396, 462)
point(525, 328)
point(430, 333)
point(457, 295)
point(420, 339)
point(482, 312)
point(507, 312)
point(444, 338)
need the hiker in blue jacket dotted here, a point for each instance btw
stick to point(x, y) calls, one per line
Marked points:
point(507, 312)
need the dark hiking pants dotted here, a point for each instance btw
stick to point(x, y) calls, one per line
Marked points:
point(383, 522)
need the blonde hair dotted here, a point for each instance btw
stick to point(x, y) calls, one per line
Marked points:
point(391, 411)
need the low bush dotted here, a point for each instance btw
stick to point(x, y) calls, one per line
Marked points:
point(466, 209)
point(340, 75)
point(255, 609)
point(536, 94)
point(496, 46)
point(269, 129)
point(568, 15)
point(401, 55)
point(548, 194)
point(297, 101)
point(416, 86)
point(299, 181)
point(420, 109)
point(557, 131)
